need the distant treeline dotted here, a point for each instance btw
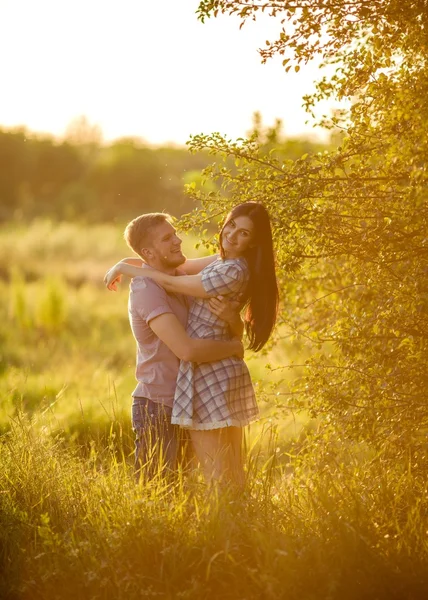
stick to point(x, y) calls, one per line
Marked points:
point(80, 177)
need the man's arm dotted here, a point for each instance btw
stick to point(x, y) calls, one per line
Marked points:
point(193, 266)
point(169, 329)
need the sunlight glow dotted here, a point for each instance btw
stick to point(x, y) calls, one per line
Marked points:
point(141, 68)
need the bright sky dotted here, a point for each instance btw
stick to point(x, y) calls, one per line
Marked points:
point(143, 68)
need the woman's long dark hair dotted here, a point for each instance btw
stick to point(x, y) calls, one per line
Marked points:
point(262, 293)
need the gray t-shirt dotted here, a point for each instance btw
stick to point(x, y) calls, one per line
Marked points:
point(157, 365)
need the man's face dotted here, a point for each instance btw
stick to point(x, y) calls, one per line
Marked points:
point(164, 248)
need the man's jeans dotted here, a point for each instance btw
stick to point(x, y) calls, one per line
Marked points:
point(156, 439)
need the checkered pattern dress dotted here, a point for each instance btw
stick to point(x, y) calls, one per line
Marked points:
point(216, 394)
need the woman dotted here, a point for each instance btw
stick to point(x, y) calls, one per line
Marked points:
point(216, 400)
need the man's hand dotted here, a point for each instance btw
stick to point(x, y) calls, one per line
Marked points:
point(225, 309)
point(239, 349)
point(172, 333)
point(228, 310)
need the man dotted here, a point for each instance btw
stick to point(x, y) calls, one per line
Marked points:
point(158, 321)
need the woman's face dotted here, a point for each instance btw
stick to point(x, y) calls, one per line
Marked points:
point(237, 236)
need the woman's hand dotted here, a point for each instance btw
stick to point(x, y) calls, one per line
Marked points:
point(113, 277)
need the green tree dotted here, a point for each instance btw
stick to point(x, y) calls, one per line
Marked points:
point(14, 171)
point(350, 224)
point(34, 171)
point(127, 174)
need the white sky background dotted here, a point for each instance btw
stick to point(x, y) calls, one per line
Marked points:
point(142, 68)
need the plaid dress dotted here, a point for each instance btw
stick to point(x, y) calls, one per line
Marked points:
point(216, 394)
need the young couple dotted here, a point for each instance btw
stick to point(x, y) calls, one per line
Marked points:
point(184, 315)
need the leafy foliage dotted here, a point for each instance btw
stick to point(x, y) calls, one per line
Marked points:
point(350, 224)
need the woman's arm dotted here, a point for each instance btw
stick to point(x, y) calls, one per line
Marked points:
point(193, 266)
point(133, 260)
point(188, 285)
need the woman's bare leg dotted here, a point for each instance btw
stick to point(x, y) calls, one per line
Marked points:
point(219, 452)
point(211, 452)
point(234, 455)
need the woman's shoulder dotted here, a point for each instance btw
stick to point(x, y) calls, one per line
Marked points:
point(227, 269)
point(225, 276)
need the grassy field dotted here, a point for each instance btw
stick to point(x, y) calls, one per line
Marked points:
point(315, 522)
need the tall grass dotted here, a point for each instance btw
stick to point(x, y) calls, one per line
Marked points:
point(74, 527)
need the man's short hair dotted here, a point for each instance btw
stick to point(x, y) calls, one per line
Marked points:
point(137, 232)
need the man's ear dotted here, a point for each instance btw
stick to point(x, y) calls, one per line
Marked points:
point(146, 253)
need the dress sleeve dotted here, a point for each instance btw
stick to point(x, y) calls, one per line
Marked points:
point(224, 278)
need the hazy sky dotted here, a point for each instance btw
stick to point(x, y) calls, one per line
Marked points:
point(145, 68)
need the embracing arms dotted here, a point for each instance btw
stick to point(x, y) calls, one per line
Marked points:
point(188, 285)
point(169, 329)
point(192, 266)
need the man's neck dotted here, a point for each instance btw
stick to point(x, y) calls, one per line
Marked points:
point(162, 268)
